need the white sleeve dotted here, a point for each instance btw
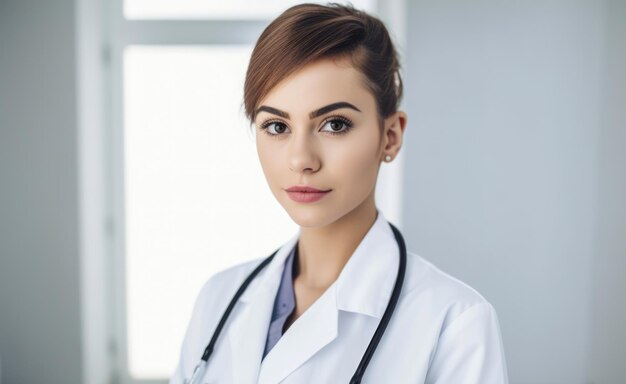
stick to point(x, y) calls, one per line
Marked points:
point(178, 377)
point(470, 350)
point(189, 353)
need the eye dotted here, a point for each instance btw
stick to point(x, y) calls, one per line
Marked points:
point(337, 125)
point(274, 128)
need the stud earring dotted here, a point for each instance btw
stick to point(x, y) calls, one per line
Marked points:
point(388, 158)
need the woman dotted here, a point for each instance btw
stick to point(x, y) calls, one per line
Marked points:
point(322, 90)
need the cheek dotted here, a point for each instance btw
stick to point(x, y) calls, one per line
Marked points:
point(269, 160)
point(262, 153)
point(357, 160)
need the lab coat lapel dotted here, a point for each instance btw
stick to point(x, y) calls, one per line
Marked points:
point(304, 338)
point(363, 286)
point(251, 317)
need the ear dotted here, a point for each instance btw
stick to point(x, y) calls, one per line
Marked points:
point(393, 133)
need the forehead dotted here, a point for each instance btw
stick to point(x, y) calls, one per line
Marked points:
point(318, 84)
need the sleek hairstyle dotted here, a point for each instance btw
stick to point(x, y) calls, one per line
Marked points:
point(308, 32)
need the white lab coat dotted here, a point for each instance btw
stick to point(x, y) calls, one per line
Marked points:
point(442, 330)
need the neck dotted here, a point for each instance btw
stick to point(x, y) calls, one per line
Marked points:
point(323, 251)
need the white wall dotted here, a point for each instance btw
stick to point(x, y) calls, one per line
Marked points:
point(39, 257)
point(515, 144)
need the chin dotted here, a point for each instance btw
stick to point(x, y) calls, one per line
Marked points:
point(311, 216)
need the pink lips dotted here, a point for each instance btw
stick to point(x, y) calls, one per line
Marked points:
point(305, 194)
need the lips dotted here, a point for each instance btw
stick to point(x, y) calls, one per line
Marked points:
point(306, 194)
point(305, 189)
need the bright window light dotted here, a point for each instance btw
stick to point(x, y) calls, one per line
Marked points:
point(196, 200)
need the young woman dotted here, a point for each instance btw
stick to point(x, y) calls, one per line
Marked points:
point(341, 301)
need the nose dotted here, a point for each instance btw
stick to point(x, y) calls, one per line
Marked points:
point(303, 153)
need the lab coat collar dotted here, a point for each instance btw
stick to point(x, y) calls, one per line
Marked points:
point(363, 286)
point(366, 281)
point(266, 280)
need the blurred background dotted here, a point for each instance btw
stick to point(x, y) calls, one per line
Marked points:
point(121, 123)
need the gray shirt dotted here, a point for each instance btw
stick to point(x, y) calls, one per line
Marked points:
point(284, 303)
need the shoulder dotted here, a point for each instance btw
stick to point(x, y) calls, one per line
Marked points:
point(214, 297)
point(424, 276)
point(210, 303)
point(463, 327)
point(442, 295)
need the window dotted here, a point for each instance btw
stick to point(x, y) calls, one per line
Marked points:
point(194, 193)
point(190, 198)
point(202, 9)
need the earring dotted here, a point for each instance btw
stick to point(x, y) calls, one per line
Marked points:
point(388, 158)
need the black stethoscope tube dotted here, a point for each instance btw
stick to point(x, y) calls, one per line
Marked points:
point(369, 352)
point(380, 330)
point(242, 288)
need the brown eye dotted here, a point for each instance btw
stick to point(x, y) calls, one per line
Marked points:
point(337, 125)
point(274, 128)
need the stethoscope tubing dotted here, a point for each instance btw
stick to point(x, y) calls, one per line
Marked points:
point(371, 348)
point(209, 349)
point(391, 305)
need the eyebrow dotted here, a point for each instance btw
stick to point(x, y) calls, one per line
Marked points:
point(312, 115)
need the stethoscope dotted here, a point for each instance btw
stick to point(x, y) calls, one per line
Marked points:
point(200, 369)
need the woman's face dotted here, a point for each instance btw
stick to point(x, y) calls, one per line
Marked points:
point(319, 128)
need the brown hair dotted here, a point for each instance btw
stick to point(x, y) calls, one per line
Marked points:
point(308, 32)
